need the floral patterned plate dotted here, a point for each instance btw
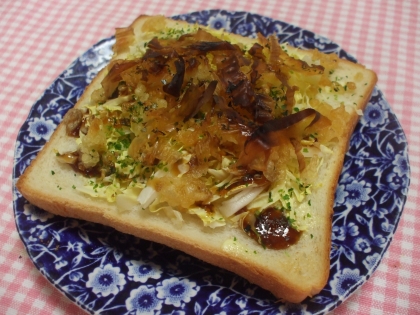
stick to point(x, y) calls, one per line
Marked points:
point(108, 272)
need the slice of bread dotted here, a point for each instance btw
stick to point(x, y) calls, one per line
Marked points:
point(291, 274)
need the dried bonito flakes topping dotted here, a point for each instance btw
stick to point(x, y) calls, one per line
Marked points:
point(196, 124)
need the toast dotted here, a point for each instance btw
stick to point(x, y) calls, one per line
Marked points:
point(225, 138)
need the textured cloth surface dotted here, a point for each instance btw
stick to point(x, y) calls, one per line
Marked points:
point(39, 39)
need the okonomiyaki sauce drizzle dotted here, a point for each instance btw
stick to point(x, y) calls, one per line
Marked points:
point(272, 229)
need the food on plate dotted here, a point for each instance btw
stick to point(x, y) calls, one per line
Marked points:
point(225, 147)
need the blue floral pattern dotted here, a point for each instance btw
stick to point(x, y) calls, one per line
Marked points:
point(105, 280)
point(177, 292)
point(144, 301)
point(108, 272)
point(140, 271)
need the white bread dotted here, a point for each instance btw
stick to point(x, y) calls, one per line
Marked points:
point(291, 274)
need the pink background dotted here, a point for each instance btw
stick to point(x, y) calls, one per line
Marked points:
point(40, 38)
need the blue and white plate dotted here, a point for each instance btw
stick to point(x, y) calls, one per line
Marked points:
point(108, 272)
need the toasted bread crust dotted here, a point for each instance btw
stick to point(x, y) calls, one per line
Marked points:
point(302, 272)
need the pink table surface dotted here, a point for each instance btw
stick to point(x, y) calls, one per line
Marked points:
point(40, 38)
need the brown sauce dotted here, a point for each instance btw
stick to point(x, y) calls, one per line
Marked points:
point(206, 206)
point(75, 132)
point(73, 159)
point(74, 120)
point(272, 229)
point(87, 172)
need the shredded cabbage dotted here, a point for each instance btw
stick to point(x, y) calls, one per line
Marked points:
point(240, 200)
point(147, 196)
point(211, 219)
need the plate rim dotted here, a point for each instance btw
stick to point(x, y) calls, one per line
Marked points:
point(105, 40)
